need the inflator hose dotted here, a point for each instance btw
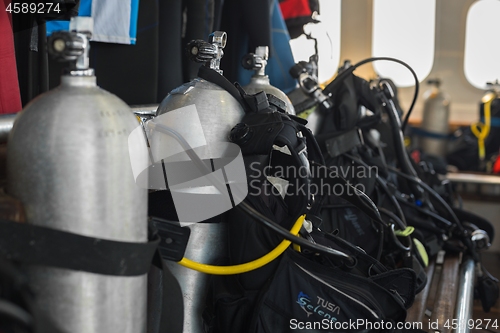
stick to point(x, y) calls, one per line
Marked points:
point(249, 266)
point(248, 209)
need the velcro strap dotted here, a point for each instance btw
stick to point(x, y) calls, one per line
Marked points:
point(174, 238)
point(35, 245)
point(343, 143)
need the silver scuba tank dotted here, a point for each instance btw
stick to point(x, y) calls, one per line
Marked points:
point(202, 114)
point(435, 119)
point(216, 113)
point(217, 110)
point(207, 244)
point(68, 162)
point(260, 81)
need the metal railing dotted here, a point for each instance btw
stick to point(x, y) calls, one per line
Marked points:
point(465, 296)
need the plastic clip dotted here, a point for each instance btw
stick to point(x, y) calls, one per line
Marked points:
point(174, 238)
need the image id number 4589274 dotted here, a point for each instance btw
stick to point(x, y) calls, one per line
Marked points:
point(33, 7)
point(485, 324)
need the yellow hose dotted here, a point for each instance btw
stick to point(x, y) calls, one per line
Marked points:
point(481, 130)
point(249, 266)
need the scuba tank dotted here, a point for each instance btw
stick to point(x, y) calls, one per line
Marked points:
point(207, 244)
point(435, 120)
point(260, 81)
point(202, 114)
point(217, 111)
point(68, 163)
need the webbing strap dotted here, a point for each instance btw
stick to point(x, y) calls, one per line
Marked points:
point(36, 245)
point(343, 143)
point(172, 307)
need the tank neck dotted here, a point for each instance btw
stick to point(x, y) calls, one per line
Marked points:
point(261, 78)
point(78, 81)
point(262, 70)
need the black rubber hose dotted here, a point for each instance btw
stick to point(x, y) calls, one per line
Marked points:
point(426, 212)
point(390, 215)
point(432, 193)
point(462, 232)
point(330, 88)
point(271, 225)
point(384, 187)
point(398, 141)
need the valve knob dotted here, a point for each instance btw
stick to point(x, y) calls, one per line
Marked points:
point(249, 62)
point(201, 51)
point(481, 239)
point(73, 46)
point(65, 46)
point(209, 53)
point(296, 70)
point(256, 61)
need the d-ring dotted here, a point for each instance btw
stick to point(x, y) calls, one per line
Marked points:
point(397, 241)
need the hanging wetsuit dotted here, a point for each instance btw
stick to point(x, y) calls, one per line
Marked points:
point(10, 98)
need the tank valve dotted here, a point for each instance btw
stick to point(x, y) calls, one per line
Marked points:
point(256, 61)
point(435, 81)
point(210, 53)
point(480, 239)
point(308, 82)
point(73, 46)
point(493, 86)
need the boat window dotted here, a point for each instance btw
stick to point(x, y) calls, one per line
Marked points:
point(328, 34)
point(404, 30)
point(482, 50)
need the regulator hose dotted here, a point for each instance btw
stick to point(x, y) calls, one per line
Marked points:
point(398, 141)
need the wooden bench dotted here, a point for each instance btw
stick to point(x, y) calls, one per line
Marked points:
point(447, 299)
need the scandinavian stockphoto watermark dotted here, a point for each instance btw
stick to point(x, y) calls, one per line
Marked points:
point(209, 178)
point(357, 325)
point(288, 180)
